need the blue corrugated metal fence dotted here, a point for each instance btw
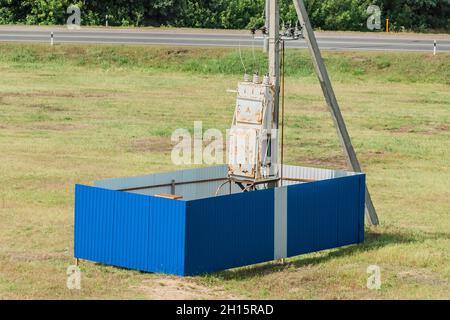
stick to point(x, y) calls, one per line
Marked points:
point(210, 234)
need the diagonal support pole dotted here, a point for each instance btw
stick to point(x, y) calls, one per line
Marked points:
point(331, 100)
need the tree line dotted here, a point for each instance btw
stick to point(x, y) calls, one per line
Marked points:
point(417, 15)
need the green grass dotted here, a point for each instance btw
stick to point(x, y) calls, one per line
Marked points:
point(392, 67)
point(74, 114)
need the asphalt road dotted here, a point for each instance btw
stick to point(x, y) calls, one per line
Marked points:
point(222, 39)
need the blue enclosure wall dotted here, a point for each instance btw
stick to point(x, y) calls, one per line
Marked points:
point(129, 230)
point(229, 231)
point(325, 214)
point(216, 233)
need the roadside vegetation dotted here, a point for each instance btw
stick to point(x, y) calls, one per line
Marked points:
point(416, 15)
point(390, 67)
point(78, 113)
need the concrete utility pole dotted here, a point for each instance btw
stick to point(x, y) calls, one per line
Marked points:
point(331, 100)
point(274, 71)
point(274, 45)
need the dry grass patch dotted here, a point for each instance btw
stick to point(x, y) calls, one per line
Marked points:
point(171, 288)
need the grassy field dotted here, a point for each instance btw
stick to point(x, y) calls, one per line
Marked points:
point(74, 114)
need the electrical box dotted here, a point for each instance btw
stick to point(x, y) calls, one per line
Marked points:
point(250, 140)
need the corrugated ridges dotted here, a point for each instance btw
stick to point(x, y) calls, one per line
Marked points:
point(129, 230)
point(229, 231)
point(205, 235)
point(325, 214)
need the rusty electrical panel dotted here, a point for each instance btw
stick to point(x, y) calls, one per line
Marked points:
point(250, 146)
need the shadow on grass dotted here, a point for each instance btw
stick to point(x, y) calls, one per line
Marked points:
point(373, 241)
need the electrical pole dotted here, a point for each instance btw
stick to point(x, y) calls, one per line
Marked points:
point(274, 75)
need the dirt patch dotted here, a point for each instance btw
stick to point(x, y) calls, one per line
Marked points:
point(73, 51)
point(332, 162)
point(46, 107)
point(30, 257)
point(436, 129)
point(359, 59)
point(423, 276)
point(46, 74)
point(152, 144)
point(377, 155)
point(59, 127)
point(172, 288)
point(402, 129)
point(177, 52)
point(38, 94)
point(52, 94)
point(443, 127)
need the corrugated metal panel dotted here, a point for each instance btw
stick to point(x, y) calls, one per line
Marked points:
point(215, 233)
point(199, 190)
point(130, 217)
point(349, 210)
point(93, 232)
point(167, 235)
point(189, 191)
point(280, 223)
point(229, 231)
point(362, 205)
point(129, 230)
point(312, 173)
point(164, 178)
point(324, 214)
point(192, 191)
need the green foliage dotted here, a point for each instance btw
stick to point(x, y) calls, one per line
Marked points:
point(340, 14)
point(419, 15)
point(93, 12)
point(240, 14)
point(46, 11)
point(200, 13)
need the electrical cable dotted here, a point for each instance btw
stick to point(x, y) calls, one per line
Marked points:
point(220, 187)
point(254, 57)
point(240, 56)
